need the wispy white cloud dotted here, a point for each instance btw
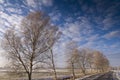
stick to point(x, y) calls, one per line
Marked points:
point(47, 2)
point(105, 13)
point(8, 21)
point(31, 3)
point(93, 37)
point(89, 44)
point(108, 22)
point(113, 34)
point(1, 1)
point(13, 10)
point(116, 45)
point(77, 29)
point(69, 19)
point(39, 3)
point(55, 16)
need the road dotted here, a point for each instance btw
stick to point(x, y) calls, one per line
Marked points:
point(106, 76)
point(112, 75)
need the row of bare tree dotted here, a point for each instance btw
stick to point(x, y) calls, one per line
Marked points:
point(30, 47)
point(85, 59)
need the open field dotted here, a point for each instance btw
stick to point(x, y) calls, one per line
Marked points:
point(62, 73)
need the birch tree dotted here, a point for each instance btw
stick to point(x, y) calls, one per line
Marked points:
point(72, 54)
point(101, 63)
point(26, 47)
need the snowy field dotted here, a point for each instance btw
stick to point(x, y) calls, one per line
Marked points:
point(116, 74)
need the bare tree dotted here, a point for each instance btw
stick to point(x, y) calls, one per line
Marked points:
point(27, 47)
point(100, 61)
point(105, 65)
point(72, 54)
point(73, 61)
point(83, 60)
point(53, 64)
point(90, 60)
point(51, 57)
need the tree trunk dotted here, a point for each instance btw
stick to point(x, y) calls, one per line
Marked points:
point(97, 70)
point(102, 69)
point(83, 71)
point(55, 74)
point(29, 76)
point(53, 64)
point(90, 68)
point(73, 72)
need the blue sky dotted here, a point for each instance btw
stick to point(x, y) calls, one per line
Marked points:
point(92, 24)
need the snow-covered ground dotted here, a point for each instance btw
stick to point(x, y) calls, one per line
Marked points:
point(117, 74)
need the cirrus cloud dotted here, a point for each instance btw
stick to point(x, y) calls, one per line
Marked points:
point(113, 34)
